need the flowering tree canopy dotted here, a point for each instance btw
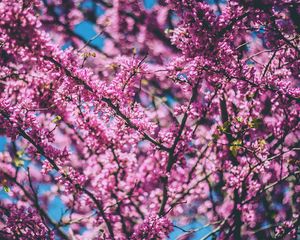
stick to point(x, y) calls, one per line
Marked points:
point(189, 111)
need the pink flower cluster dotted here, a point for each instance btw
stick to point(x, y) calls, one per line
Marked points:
point(189, 112)
point(23, 223)
point(153, 227)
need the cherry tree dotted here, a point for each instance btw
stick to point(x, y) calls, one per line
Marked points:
point(189, 112)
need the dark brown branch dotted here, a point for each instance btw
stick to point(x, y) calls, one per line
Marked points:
point(172, 158)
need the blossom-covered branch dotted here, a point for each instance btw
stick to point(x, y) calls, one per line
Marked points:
point(188, 113)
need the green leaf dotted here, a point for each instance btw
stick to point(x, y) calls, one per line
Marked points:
point(237, 142)
point(224, 127)
point(18, 162)
point(235, 146)
point(20, 153)
point(56, 119)
point(6, 188)
point(226, 124)
point(262, 142)
point(255, 123)
point(215, 137)
point(239, 119)
point(234, 150)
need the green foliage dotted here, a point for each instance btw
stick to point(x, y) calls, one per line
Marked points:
point(6, 188)
point(235, 146)
point(18, 161)
point(56, 119)
point(255, 123)
point(224, 128)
